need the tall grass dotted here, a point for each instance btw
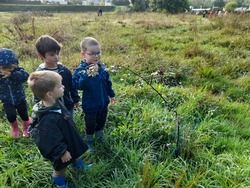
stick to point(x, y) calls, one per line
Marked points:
point(199, 65)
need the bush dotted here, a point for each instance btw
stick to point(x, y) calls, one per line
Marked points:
point(53, 8)
point(121, 2)
point(20, 2)
point(230, 6)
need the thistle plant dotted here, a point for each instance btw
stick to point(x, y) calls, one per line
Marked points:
point(92, 70)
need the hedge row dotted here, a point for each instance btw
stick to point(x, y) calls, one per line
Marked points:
point(54, 8)
point(19, 2)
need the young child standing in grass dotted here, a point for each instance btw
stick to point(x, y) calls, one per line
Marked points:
point(53, 130)
point(93, 79)
point(12, 93)
point(48, 50)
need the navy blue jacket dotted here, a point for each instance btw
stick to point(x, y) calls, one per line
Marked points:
point(70, 96)
point(11, 88)
point(97, 90)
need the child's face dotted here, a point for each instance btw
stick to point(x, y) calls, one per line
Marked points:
point(92, 54)
point(58, 90)
point(51, 58)
point(8, 68)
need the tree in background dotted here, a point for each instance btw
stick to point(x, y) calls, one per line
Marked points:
point(140, 5)
point(153, 5)
point(219, 3)
point(102, 2)
point(230, 6)
point(171, 6)
point(199, 3)
point(243, 3)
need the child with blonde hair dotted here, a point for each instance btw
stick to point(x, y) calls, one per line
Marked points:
point(93, 79)
point(53, 130)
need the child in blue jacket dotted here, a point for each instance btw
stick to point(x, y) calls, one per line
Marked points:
point(93, 79)
point(12, 93)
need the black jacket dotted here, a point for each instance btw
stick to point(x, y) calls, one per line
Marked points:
point(55, 132)
point(70, 96)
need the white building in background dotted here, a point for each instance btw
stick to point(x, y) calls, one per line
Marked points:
point(89, 2)
point(96, 2)
point(108, 3)
point(84, 2)
point(62, 2)
point(241, 9)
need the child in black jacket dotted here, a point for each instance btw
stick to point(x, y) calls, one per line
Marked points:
point(53, 129)
point(49, 51)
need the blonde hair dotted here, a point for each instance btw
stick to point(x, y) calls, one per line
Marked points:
point(87, 42)
point(41, 82)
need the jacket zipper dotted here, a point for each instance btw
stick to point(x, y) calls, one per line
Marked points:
point(11, 95)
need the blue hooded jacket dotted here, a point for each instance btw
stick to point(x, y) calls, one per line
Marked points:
point(7, 57)
point(96, 89)
point(11, 88)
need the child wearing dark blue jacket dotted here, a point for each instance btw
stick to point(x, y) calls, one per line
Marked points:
point(12, 93)
point(93, 79)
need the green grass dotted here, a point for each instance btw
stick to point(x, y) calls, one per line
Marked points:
point(199, 65)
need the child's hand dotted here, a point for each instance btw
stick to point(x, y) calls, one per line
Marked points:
point(75, 105)
point(112, 100)
point(66, 157)
point(92, 70)
point(4, 73)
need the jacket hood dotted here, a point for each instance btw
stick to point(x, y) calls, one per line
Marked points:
point(7, 57)
point(42, 66)
point(39, 109)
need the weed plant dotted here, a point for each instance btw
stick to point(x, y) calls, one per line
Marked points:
point(200, 66)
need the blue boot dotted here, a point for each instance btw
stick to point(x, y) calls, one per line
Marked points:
point(60, 181)
point(99, 136)
point(80, 165)
point(90, 140)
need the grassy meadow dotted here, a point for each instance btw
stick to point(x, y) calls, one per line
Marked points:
point(199, 66)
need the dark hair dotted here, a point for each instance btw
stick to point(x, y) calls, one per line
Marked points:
point(46, 43)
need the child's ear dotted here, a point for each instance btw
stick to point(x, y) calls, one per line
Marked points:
point(40, 55)
point(83, 54)
point(49, 94)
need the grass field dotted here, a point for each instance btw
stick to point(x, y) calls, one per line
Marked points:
point(200, 66)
